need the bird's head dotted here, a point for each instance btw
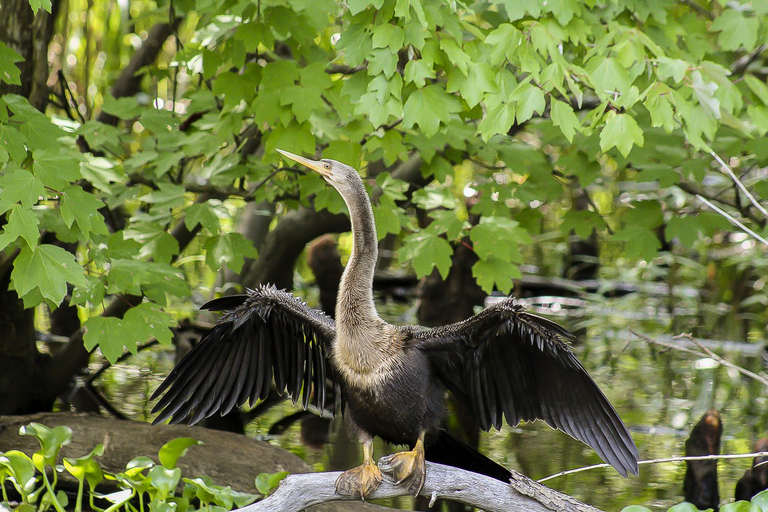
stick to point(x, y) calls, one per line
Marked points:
point(341, 176)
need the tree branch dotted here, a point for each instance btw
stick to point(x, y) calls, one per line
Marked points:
point(298, 492)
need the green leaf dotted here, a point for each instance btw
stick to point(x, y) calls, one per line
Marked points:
point(640, 242)
point(456, 55)
point(498, 237)
point(81, 208)
point(607, 76)
point(660, 107)
point(386, 216)
point(564, 117)
point(174, 449)
point(622, 132)
point(389, 36)
point(139, 324)
point(109, 334)
point(496, 121)
point(266, 483)
point(495, 273)
point(20, 186)
point(56, 168)
point(152, 278)
point(12, 141)
point(581, 222)
point(736, 30)
point(85, 467)
point(740, 506)
point(761, 500)
point(37, 4)
point(147, 321)
point(425, 251)
point(417, 71)
point(126, 107)
point(474, 86)
point(646, 214)
point(228, 249)
point(672, 68)
point(684, 507)
point(203, 214)
point(164, 481)
point(22, 223)
point(51, 439)
point(705, 93)
point(9, 71)
point(48, 269)
point(21, 468)
point(428, 108)
point(529, 99)
point(447, 222)
point(502, 43)
point(758, 87)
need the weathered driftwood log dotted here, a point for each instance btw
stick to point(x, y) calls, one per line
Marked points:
point(296, 492)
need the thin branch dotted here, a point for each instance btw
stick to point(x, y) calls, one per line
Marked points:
point(706, 353)
point(743, 62)
point(722, 361)
point(299, 491)
point(701, 10)
point(738, 183)
point(657, 461)
point(732, 219)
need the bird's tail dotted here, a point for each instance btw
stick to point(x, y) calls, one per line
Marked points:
point(451, 451)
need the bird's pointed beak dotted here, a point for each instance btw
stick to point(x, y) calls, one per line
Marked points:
point(315, 165)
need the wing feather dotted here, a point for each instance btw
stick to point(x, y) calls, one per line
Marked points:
point(265, 333)
point(519, 365)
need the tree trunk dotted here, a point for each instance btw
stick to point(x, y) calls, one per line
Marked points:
point(20, 387)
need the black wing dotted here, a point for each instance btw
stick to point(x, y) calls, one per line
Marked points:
point(266, 332)
point(504, 361)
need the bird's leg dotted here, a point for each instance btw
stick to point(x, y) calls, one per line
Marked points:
point(360, 482)
point(407, 468)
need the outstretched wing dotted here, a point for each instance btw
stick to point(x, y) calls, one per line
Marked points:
point(266, 332)
point(504, 361)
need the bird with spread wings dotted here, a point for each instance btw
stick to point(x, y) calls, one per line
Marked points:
point(503, 364)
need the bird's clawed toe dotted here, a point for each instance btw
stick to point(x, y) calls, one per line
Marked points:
point(359, 482)
point(407, 469)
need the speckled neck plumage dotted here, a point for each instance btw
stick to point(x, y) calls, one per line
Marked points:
point(361, 342)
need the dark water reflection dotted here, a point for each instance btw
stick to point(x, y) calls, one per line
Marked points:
point(660, 394)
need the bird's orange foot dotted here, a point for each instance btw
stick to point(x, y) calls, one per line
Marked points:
point(359, 482)
point(407, 469)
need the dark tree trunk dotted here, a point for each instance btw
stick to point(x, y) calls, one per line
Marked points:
point(20, 388)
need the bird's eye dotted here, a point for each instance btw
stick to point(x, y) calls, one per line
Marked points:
point(327, 166)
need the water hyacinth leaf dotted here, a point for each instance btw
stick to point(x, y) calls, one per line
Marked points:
point(51, 439)
point(173, 450)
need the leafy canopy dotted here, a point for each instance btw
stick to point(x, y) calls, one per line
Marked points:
point(508, 105)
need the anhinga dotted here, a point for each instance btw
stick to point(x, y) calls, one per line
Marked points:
point(502, 362)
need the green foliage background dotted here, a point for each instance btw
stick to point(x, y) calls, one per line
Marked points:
point(595, 95)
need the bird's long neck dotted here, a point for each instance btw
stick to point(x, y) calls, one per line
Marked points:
point(355, 302)
point(361, 333)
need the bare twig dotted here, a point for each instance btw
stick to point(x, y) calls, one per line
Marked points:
point(738, 183)
point(657, 461)
point(706, 353)
point(743, 62)
point(732, 219)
